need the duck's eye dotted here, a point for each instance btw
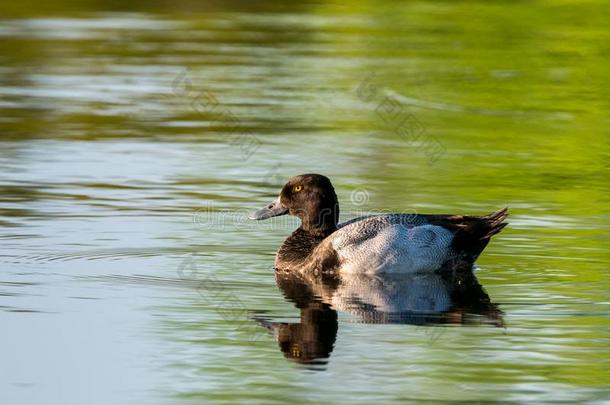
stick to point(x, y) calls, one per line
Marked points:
point(295, 351)
point(297, 188)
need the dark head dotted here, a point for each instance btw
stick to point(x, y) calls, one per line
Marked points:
point(310, 197)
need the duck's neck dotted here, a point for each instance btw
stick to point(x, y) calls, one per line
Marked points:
point(321, 218)
point(297, 248)
point(318, 220)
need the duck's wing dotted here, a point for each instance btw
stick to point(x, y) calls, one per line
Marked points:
point(406, 243)
point(391, 244)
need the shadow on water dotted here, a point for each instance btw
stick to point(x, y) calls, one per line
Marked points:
point(450, 296)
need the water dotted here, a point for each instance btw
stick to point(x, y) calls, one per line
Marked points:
point(135, 141)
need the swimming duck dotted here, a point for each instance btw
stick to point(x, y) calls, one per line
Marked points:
point(384, 243)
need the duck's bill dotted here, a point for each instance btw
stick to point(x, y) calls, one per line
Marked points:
point(275, 209)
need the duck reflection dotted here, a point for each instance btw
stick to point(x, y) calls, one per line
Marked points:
point(450, 296)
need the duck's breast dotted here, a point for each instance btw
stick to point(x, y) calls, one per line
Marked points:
point(386, 244)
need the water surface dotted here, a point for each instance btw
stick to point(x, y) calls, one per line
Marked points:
point(134, 141)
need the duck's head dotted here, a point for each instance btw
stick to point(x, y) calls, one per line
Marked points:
point(312, 198)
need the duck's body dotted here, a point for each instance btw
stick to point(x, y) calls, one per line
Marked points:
point(391, 243)
point(388, 243)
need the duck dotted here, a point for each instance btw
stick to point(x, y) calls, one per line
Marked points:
point(395, 243)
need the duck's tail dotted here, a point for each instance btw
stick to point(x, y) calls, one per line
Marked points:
point(494, 222)
point(473, 233)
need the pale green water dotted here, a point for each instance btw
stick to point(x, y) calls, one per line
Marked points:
point(122, 173)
